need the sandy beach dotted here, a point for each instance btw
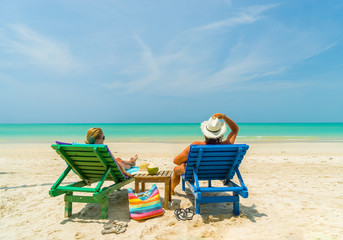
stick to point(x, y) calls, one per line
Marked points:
point(295, 192)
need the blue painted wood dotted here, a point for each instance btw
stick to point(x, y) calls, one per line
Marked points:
point(236, 205)
point(216, 162)
point(213, 163)
point(221, 189)
point(198, 160)
point(213, 154)
point(212, 158)
point(218, 199)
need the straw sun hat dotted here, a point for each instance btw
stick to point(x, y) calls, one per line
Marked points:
point(213, 128)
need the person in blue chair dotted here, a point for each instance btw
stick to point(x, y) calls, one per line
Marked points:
point(214, 131)
point(96, 136)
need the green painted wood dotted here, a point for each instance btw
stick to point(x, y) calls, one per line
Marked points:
point(96, 171)
point(104, 162)
point(102, 180)
point(82, 154)
point(70, 163)
point(82, 199)
point(104, 208)
point(93, 163)
point(107, 190)
point(92, 168)
point(76, 189)
point(86, 147)
point(61, 178)
point(90, 158)
point(68, 207)
point(85, 163)
point(56, 192)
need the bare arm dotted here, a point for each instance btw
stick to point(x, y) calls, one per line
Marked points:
point(232, 125)
point(182, 157)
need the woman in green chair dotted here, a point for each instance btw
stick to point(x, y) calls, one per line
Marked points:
point(96, 136)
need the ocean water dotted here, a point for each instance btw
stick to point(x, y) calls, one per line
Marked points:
point(169, 132)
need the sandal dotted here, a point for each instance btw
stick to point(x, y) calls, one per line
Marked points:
point(121, 229)
point(180, 214)
point(111, 225)
point(115, 227)
point(189, 213)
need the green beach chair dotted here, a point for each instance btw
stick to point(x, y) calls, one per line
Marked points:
point(92, 163)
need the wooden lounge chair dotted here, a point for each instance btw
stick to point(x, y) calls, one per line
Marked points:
point(92, 163)
point(215, 162)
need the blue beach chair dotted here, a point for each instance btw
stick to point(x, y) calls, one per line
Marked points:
point(215, 162)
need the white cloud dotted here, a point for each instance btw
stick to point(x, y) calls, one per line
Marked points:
point(187, 67)
point(39, 49)
point(146, 71)
point(250, 15)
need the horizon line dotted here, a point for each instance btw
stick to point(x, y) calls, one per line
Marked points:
point(162, 123)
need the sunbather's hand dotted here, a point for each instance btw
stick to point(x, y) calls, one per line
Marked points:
point(218, 115)
point(128, 174)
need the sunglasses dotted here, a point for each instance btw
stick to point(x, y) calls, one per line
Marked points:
point(103, 137)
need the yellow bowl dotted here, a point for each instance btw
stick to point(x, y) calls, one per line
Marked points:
point(153, 171)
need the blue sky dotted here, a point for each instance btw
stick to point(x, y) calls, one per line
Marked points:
point(170, 61)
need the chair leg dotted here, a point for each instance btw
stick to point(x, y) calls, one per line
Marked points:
point(104, 207)
point(236, 205)
point(183, 185)
point(197, 197)
point(170, 189)
point(68, 208)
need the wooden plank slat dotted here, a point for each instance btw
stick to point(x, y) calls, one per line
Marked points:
point(213, 154)
point(78, 147)
point(221, 163)
point(89, 158)
point(228, 150)
point(84, 163)
point(80, 154)
point(92, 167)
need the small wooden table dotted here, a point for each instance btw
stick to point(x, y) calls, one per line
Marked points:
point(161, 176)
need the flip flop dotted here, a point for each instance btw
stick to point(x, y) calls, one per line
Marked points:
point(180, 214)
point(117, 229)
point(121, 229)
point(111, 225)
point(189, 213)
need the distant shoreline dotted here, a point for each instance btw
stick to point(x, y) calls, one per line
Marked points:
point(170, 132)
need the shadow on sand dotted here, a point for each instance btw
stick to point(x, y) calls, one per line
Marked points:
point(32, 185)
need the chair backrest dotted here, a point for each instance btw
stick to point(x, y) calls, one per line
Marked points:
point(214, 162)
point(90, 161)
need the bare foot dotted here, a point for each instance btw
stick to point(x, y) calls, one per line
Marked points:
point(133, 160)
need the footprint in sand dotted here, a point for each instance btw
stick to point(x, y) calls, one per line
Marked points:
point(172, 223)
point(80, 235)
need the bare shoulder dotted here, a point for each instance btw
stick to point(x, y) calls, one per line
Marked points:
point(227, 142)
point(198, 143)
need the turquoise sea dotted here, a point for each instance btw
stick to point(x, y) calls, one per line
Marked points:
point(169, 132)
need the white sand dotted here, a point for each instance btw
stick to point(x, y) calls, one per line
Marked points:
point(295, 192)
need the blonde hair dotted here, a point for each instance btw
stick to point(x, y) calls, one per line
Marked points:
point(93, 134)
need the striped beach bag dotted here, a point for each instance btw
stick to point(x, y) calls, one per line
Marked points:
point(145, 205)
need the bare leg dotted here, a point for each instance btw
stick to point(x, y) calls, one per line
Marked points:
point(175, 179)
point(122, 166)
point(131, 162)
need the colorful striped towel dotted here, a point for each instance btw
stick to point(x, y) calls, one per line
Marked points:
point(146, 204)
